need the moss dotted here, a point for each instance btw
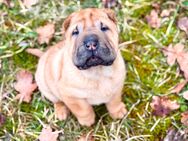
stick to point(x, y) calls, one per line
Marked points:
point(25, 60)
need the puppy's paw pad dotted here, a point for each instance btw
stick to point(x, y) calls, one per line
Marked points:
point(120, 112)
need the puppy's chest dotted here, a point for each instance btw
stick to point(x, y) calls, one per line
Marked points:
point(98, 92)
point(96, 86)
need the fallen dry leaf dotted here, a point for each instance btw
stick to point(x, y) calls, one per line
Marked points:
point(185, 95)
point(169, 52)
point(48, 135)
point(45, 33)
point(29, 3)
point(24, 85)
point(183, 24)
point(156, 5)
point(183, 63)
point(177, 53)
point(166, 12)
point(162, 106)
point(2, 119)
point(184, 118)
point(179, 87)
point(35, 51)
point(170, 135)
point(174, 53)
point(176, 135)
point(153, 19)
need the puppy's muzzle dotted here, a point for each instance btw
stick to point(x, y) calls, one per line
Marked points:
point(93, 52)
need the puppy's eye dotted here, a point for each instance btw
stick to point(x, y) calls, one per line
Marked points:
point(75, 32)
point(104, 28)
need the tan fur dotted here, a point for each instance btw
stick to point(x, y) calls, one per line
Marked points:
point(59, 80)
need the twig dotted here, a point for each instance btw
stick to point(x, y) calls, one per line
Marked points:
point(126, 43)
point(120, 125)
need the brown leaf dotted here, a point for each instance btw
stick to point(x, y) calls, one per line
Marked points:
point(166, 12)
point(24, 85)
point(29, 3)
point(182, 60)
point(184, 118)
point(45, 33)
point(48, 135)
point(176, 135)
point(179, 87)
point(35, 51)
point(156, 5)
point(185, 95)
point(183, 24)
point(153, 19)
point(162, 106)
point(177, 53)
point(170, 135)
point(2, 119)
point(169, 52)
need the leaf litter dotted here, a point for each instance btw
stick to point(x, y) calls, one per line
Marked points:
point(183, 24)
point(24, 85)
point(153, 19)
point(177, 53)
point(48, 135)
point(45, 33)
point(162, 106)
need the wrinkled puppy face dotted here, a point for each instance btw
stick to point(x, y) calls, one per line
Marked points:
point(94, 35)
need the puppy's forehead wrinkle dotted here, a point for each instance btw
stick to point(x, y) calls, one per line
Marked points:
point(88, 17)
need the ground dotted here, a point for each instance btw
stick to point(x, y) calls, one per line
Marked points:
point(148, 73)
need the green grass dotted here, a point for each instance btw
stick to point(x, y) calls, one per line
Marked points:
point(148, 73)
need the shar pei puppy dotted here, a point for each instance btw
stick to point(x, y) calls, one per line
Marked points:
point(85, 68)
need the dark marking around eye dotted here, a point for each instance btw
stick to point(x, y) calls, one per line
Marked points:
point(75, 31)
point(104, 27)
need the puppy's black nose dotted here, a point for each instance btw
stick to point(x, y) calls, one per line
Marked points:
point(91, 42)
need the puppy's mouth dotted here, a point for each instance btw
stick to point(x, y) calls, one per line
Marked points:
point(94, 61)
point(93, 51)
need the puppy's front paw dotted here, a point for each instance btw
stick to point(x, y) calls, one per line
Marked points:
point(61, 111)
point(118, 112)
point(87, 121)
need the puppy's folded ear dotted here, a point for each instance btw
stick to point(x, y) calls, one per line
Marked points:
point(111, 15)
point(66, 24)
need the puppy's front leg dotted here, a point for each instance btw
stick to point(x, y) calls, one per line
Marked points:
point(116, 107)
point(61, 110)
point(81, 109)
